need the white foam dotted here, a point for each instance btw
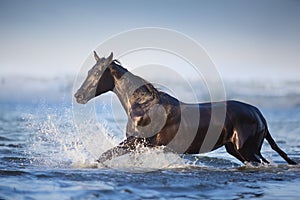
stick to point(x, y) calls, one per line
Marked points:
point(146, 159)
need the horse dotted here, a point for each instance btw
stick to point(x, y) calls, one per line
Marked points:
point(156, 118)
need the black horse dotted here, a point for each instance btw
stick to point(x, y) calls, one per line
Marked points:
point(157, 119)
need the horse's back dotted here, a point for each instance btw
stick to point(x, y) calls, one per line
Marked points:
point(229, 112)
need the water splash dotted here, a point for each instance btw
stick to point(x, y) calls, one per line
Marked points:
point(147, 159)
point(56, 142)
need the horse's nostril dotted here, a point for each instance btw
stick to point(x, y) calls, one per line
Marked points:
point(78, 96)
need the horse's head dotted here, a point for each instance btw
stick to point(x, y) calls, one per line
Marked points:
point(98, 81)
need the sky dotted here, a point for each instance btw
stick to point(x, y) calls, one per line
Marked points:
point(257, 39)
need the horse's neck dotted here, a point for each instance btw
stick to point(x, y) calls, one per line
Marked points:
point(126, 85)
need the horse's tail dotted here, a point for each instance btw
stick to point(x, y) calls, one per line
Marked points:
point(277, 149)
point(273, 144)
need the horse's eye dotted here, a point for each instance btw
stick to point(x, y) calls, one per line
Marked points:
point(97, 73)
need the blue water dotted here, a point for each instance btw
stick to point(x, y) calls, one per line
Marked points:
point(44, 156)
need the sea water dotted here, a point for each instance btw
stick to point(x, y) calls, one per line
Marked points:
point(44, 155)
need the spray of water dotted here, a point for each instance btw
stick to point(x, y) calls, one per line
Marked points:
point(56, 143)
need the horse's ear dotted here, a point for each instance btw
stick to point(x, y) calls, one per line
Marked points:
point(110, 58)
point(96, 56)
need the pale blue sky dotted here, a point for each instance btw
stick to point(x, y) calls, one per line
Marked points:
point(245, 39)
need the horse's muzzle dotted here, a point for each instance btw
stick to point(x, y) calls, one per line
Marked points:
point(79, 98)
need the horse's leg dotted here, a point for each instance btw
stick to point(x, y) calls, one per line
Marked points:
point(126, 146)
point(247, 144)
point(244, 155)
point(251, 149)
point(262, 158)
point(112, 153)
point(250, 156)
point(230, 148)
point(253, 156)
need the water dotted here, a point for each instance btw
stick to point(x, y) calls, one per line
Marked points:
point(44, 156)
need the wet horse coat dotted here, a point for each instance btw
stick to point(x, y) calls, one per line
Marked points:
point(157, 119)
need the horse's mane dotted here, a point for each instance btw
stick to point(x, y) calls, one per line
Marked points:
point(149, 86)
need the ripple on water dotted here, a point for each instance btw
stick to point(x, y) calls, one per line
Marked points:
point(49, 160)
point(13, 173)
